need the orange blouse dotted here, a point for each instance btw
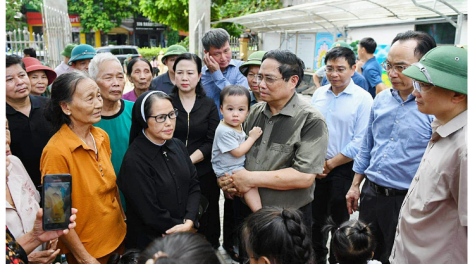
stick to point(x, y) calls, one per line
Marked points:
point(100, 224)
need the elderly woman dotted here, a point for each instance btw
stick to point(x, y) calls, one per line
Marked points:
point(82, 150)
point(250, 69)
point(22, 204)
point(196, 123)
point(40, 76)
point(157, 177)
point(139, 73)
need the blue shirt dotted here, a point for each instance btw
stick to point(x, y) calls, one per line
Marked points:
point(347, 117)
point(396, 138)
point(358, 79)
point(372, 71)
point(252, 99)
point(213, 83)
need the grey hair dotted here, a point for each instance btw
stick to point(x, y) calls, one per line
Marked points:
point(215, 37)
point(94, 67)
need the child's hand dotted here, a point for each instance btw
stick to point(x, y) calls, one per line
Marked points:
point(255, 132)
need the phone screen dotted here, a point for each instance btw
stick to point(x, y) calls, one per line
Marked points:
point(57, 190)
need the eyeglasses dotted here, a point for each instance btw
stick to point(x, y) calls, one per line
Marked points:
point(421, 86)
point(388, 67)
point(332, 70)
point(162, 118)
point(267, 79)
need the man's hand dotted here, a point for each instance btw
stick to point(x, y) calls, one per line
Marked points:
point(359, 65)
point(43, 257)
point(211, 64)
point(241, 180)
point(352, 198)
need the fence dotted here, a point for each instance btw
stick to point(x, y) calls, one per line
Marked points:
point(235, 46)
point(18, 40)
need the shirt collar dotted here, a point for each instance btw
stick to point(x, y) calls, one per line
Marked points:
point(350, 89)
point(397, 96)
point(442, 131)
point(232, 63)
point(166, 78)
point(152, 150)
point(74, 142)
point(288, 110)
point(253, 98)
point(34, 105)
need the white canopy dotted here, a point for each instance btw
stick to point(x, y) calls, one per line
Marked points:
point(336, 15)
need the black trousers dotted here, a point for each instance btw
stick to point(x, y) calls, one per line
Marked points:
point(209, 224)
point(330, 200)
point(381, 212)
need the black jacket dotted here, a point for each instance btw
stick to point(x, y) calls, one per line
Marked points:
point(197, 131)
point(161, 189)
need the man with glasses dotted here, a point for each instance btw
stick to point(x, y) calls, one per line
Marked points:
point(81, 57)
point(394, 143)
point(283, 162)
point(346, 108)
point(432, 226)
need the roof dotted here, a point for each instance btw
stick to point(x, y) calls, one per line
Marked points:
point(335, 15)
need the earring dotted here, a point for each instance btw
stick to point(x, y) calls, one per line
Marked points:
point(68, 113)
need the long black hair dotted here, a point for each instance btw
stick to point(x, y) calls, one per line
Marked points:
point(279, 235)
point(191, 57)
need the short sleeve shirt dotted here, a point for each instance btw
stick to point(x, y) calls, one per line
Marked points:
point(226, 139)
point(296, 137)
point(432, 225)
point(372, 71)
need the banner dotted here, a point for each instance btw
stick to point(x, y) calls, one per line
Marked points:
point(323, 44)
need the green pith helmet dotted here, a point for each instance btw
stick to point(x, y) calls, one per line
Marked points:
point(341, 44)
point(67, 52)
point(173, 50)
point(82, 52)
point(253, 59)
point(444, 66)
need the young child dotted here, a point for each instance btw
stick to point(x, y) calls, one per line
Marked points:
point(229, 147)
point(352, 242)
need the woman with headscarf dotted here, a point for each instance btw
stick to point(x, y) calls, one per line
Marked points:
point(157, 177)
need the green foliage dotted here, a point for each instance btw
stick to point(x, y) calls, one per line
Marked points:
point(174, 13)
point(184, 43)
point(234, 8)
point(354, 46)
point(13, 7)
point(102, 15)
point(148, 53)
point(172, 37)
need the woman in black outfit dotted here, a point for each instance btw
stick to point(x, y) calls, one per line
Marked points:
point(157, 177)
point(195, 126)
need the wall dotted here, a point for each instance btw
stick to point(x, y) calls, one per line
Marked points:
point(270, 41)
point(464, 36)
point(383, 35)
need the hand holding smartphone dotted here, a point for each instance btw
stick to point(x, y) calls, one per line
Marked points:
point(57, 201)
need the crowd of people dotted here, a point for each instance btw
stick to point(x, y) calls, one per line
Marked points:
point(148, 166)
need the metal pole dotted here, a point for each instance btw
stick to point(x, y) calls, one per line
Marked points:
point(458, 29)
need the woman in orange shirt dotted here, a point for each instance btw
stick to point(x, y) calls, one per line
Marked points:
point(84, 151)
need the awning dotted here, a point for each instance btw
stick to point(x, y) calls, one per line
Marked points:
point(337, 15)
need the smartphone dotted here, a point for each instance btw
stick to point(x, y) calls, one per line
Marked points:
point(57, 201)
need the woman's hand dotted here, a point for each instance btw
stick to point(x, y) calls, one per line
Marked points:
point(43, 257)
point(43, 236)
point(186, 227)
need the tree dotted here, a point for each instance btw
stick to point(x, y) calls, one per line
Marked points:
point(15, 12)
point(102, 15)
point(174, 13)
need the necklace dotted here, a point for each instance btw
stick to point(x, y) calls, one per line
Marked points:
point(94, 145)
